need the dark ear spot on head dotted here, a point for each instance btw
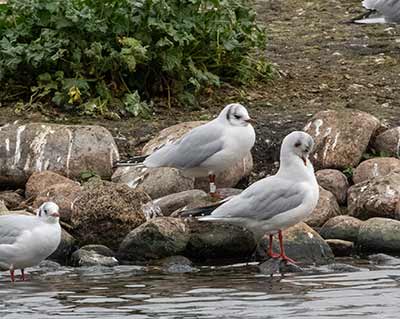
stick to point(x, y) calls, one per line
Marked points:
point(228, 114)
point(298, 143)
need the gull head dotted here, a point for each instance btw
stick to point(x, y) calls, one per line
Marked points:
point(49, 211)
point(235, 114)
point(298, 143)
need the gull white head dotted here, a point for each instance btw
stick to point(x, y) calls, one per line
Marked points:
point(236, 115)
point(298, 144)
point(49, 211)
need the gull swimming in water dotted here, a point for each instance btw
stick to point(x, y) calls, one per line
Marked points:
point(275, 202)
point(208, 149)
point(27, 240)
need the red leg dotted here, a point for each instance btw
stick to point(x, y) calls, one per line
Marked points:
point(12, 274)
point(270, 253)
point(22, 275)
point(283, 255)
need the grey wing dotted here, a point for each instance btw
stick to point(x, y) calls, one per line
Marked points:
point(12, 226)
point(263, 200)
point(191, 150)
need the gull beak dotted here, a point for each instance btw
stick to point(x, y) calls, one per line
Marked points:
point(304, 159)
point(55, 214)
point(251, 121)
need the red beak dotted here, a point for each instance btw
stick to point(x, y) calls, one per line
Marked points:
point(55, 215)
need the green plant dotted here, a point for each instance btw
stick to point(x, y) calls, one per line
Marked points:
point(113, 54)
point(348, 171)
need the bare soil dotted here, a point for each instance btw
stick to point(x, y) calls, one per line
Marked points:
point(323, 64)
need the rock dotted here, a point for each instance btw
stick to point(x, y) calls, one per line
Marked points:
point(104, 213)
point(3, 207)
point(341, 137)
point(149, 180)
point(380, 235)
point(170, 203)
point(341, 227)
point(11, 199)
point(48, 265)
point(88, 258)
point(388, 142)
point(340, 248)
point(100, 249)
point(375, 167)
point(377, 197)
point(66, 149)
point(334, 181)
point(327, 208)
point(66, 247)
point(303, 244)
point(157, 238)
point(63, 194)
point(177, 265)
point(228, 178)
point(383, 259)
point(218, 240)
point(40, 181)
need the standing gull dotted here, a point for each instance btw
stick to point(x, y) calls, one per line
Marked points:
point(210, 148)
point(380, 11)
point(27, 240)
point(276, 202)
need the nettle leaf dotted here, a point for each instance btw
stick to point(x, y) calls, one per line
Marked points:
point(99, 52)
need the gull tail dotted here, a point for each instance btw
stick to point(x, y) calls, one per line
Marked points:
point(131, 161)
point(201, 211)
point(369, 17)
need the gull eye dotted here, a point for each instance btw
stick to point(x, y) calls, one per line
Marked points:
point(237, 116)
point(45, 211)
point(298, 143)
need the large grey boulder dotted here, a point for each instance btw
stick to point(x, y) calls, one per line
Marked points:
point(303, 244)
point(341, 137)
point(104, 213)
point(157, 238)
point(375, 167)
point(377, 197)
point(218, 241)
point(379, 235)
point(66, 149)
point(341, 227)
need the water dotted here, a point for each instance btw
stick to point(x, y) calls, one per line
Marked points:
point(212, 292)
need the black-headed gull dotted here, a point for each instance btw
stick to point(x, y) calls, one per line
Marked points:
point(208, 149)
point(380, 11)
point(275, 202)
point(27, 240)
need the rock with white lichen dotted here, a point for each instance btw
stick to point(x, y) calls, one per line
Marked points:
point(341, 137)
point(66, 149)
point(377, 197)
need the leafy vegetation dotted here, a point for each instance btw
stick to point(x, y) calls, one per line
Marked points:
point(109, 57)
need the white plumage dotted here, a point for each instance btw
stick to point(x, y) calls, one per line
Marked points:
point(27, 240)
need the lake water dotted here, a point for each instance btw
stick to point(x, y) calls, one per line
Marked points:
point(237, 291)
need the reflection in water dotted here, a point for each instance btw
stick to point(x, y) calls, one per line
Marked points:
point(221, 292)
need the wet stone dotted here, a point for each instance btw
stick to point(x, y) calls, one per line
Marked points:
point(177, 265)
point(88, 258)
point(383, 259)
point(340, 248)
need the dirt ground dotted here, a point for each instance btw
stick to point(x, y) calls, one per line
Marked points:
point(323, 62)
